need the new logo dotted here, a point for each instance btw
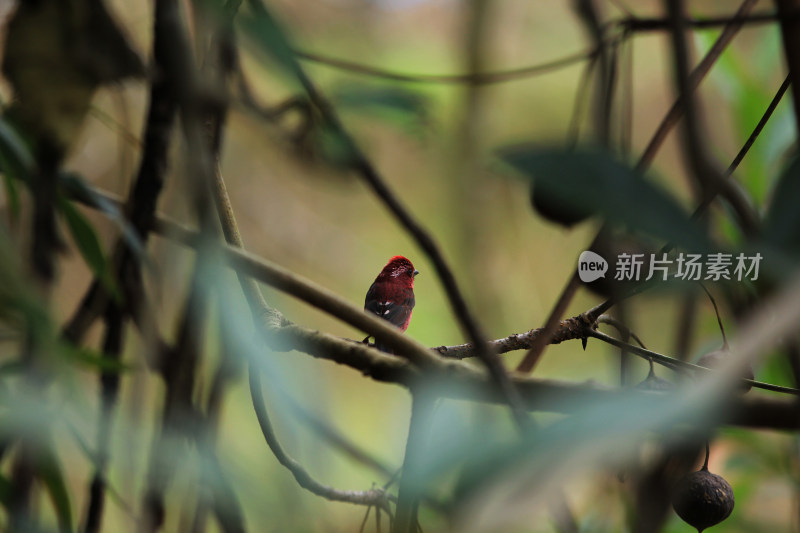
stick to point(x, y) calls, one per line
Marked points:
point(591, 266)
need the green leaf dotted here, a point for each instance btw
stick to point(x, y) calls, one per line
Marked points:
point(397, 102)
point(593, 181)
point(16, 155)
point(50, 474)
point(782, 221)
point(266, 32)
point(93, 359)
point(78, 189)
point(5, 490)
point(16, 163)
point(89, 245)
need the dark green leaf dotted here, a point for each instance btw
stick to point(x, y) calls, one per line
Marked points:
point(593, 181)
point(89, 245)
point(93, 359)
point(50, 474)
point(782, 224)
point(12, 193)
point(16, 163)
point(16, 155)
point(265, 31)
point(5, 490)
point(398, 101)
point(77, 188)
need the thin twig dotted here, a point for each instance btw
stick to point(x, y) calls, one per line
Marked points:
point(704, 171)
point(622, 328)
point(669, 121)
point(678, 107)
point(372, 497)
point(643, 24)
point(716, 312)
point(760, 126)
point(476, 78)
point(673, 363)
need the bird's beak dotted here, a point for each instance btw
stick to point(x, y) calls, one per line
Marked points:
point(415, 273)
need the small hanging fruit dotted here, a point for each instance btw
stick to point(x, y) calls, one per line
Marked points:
point(703, 499)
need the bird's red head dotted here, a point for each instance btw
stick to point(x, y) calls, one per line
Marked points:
point(400, 269)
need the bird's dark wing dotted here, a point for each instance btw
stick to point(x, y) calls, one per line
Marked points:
point(396, 310)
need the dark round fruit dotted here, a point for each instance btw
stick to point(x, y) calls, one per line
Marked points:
point(555, 209)
point(703, 499)
point(717, 358)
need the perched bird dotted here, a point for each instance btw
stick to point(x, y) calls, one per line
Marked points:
point(391, 295)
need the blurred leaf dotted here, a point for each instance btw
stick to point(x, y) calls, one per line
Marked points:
point(390, 101)
point(334, 147)
point(89, 245)
point(16, 155)
point(16, 163)
point(12, 193)
point(266, 32)
point(93, 359)
point(593, 181)
point(50, 473)
point(79, 190)
point(782, 221)
point(13, 368)
point(5, 490)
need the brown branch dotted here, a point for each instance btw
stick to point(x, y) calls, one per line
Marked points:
point(458, 380)
point(372, 497)
point(570, 329)
point(643, 24)
point(362, 165)
point(669, 121)
point(630, 23)
point(711, 180)
point(473, 78)
point(677, 109)
point(286, 336)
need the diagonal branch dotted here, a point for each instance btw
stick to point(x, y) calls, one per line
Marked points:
point(373, 497)
point(711, 180)
point(666, 125)
point(362, 165)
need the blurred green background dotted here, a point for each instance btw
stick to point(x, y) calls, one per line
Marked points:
point(434, 144)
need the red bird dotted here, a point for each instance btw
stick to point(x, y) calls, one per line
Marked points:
point(391, 295)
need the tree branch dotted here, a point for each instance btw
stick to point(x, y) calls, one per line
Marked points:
point(362, 165)
point(373, 497)
point(711, 180)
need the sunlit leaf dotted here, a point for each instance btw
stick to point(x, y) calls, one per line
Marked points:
point(593, 181)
